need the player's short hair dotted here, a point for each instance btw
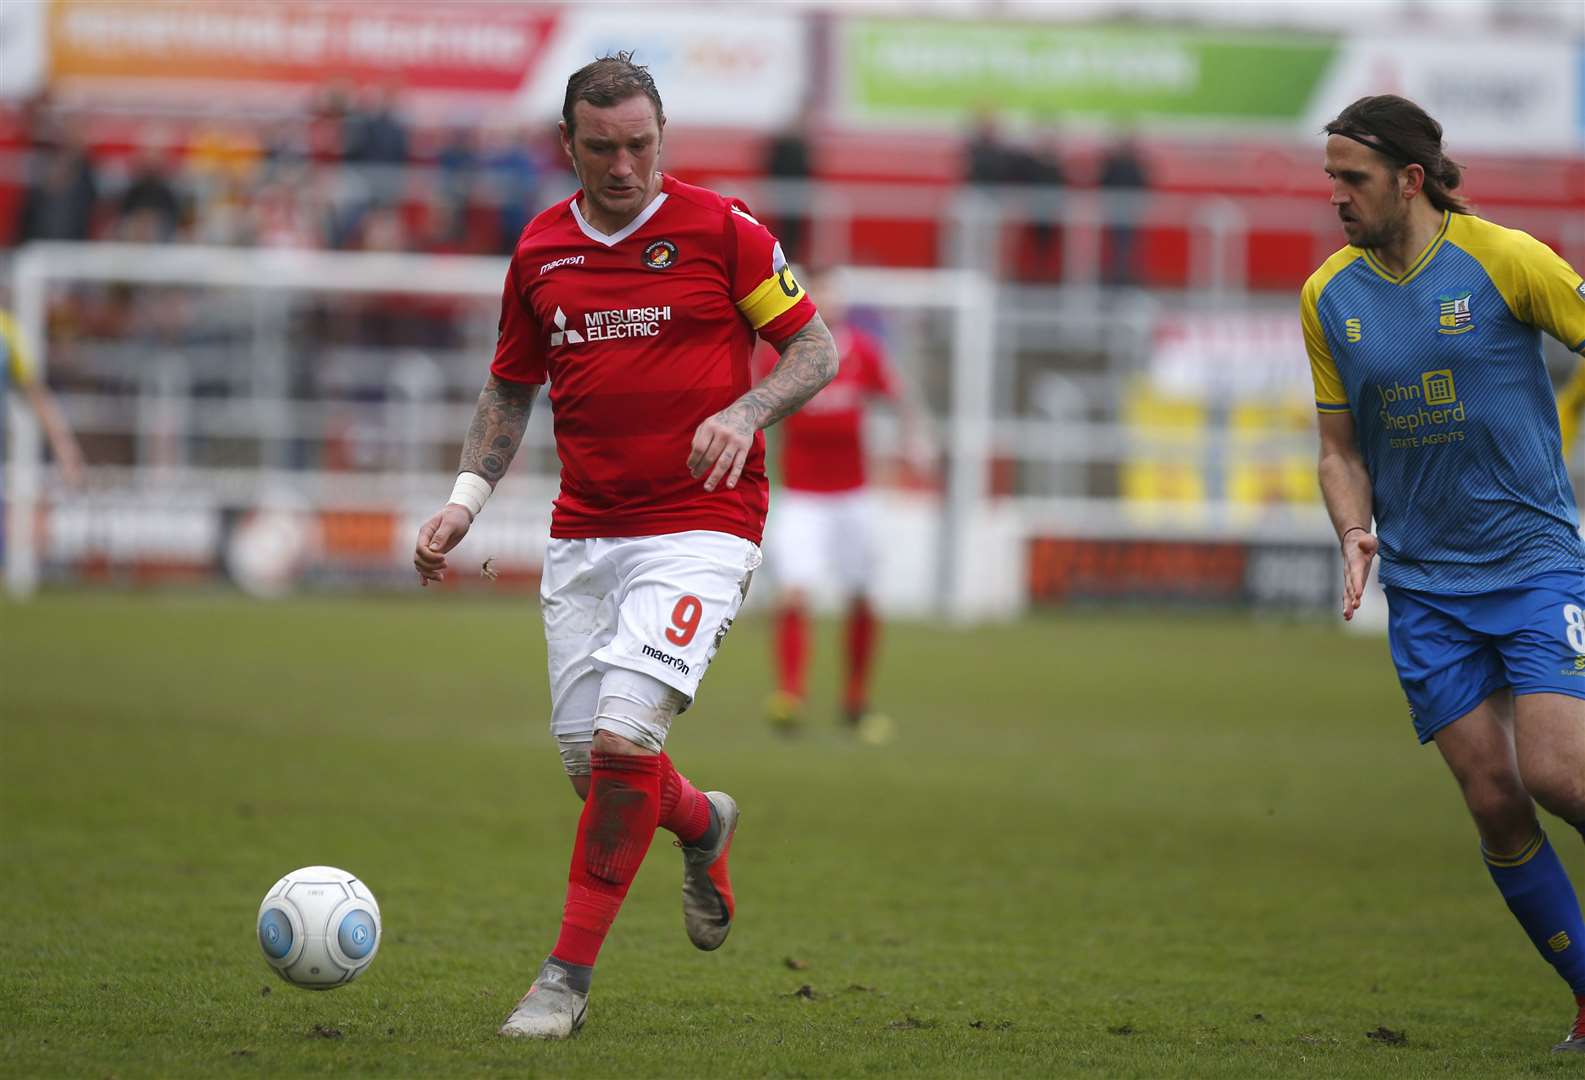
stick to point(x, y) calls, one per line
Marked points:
point(609, 81)
point(1404, 134)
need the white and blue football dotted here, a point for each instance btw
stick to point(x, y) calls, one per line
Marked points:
point(319, 927)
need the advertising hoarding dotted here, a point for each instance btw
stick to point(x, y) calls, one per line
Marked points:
point(714, 66)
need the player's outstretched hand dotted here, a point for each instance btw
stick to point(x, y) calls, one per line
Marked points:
point(437, 536)
point(720, 447)
point(1359, 548)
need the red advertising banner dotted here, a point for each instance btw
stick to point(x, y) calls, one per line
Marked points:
point(1063, 569)
point(471, 48)
point(1299, 576)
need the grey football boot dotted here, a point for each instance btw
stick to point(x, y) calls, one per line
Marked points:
point(707, 905)
point(550, 1010)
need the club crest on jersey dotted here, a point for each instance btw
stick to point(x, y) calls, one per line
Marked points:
point(660, 255)
point(1454, 316)
point(1580, 292)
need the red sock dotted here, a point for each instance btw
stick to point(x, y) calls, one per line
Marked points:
point(683, 808)
point(792, 649)
point(618, 822)
point(863, 628)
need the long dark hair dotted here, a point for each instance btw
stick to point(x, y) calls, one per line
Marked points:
point(1404, 134)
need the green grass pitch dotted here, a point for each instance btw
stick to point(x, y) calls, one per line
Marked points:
point(1150, 844)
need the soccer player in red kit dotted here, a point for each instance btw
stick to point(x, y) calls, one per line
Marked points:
point(638, 300)
point(821, 533)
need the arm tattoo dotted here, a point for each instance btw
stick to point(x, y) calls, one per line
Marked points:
point(808, 361)
point(497, 427)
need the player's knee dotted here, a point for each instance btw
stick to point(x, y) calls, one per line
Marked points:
point(1496, 801)
point(574, 750)
point(608, 742)
point(1559, 786)
point(635, 713)
point(793, 597)
point(1501, 808)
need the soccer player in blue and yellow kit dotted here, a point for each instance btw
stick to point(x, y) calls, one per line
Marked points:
point(1437, 423)
point(16, 370)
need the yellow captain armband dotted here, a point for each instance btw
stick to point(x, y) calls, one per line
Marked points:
point(772, 298)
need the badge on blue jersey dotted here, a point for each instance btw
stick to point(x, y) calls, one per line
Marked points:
point(1455, 317)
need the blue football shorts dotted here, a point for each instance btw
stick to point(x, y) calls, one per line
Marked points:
point(1454, 651)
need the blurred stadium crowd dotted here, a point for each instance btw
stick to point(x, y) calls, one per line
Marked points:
point(355, 172)
point(1140, 188)
point(350, 172)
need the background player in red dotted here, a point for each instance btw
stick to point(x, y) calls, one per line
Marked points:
point(638, 300)
point(821, 533)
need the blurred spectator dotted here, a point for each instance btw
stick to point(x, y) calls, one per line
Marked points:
point(383, 230)
point(375, 137)
point(1043, 175)
point(374, 133)
point(327, 123)
point(985, 155)
point(286, 147)
point(1122, 171)
point(457, 159)
point(787, 158)
point(281, 221)
point(223, 165)
point(511, 171)
point(556, 179)
point(225, 215)
point(439, 225)
point(992, 162)
point(223, 149)
point(61, 195)
point(150, 210)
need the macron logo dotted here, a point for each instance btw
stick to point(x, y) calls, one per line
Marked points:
point(562, 335)
point(670, 661)
point(570, 260)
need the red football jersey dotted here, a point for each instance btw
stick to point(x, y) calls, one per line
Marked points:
point(642, 335)
point(822, 445)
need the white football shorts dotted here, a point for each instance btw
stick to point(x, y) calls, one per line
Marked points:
point(656, 605)
point(815, 540)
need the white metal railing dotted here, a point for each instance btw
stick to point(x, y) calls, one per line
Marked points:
point(977, 348)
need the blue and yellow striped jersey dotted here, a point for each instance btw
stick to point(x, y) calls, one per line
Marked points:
point(1441, 368)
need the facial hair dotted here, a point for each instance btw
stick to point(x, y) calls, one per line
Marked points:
point(1387, 232)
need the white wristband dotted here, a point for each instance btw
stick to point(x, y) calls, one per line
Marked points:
point(471, 493)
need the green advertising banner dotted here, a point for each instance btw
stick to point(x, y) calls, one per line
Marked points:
point(944, 71)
